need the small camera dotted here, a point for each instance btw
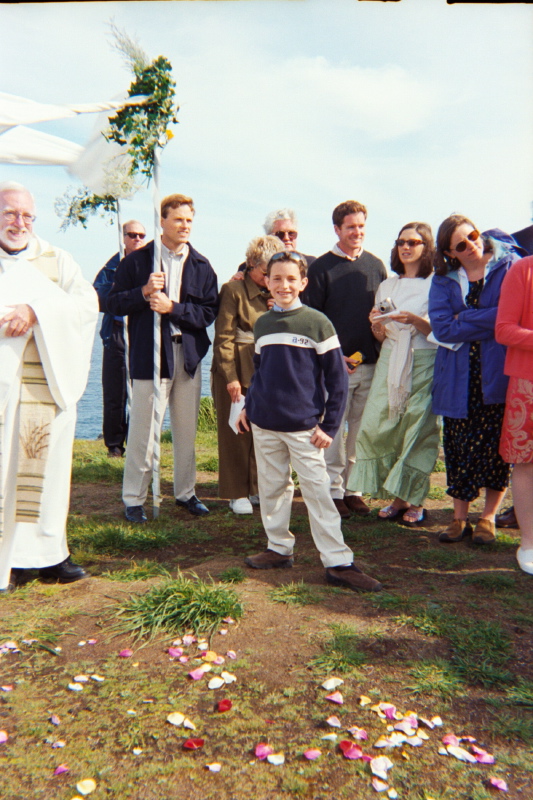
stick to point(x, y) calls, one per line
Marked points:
point(386, 306)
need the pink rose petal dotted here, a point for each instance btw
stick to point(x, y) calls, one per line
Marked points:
point(350, 750)
point(231, 654)
point(7, 688)
point(61, 769)
point(219, 660)
point(193, 744)
point(3, 737)
point(196, 674)
point(59, 743)
point(263, 750)
point(183, 659)
point(175, 652)
point(482, 756)
point(378, 785)
point(334, 722)
point(450, 739)
point(358, 733)
point(189, 639)
point(312, 754)
point(389, 710)
point(224, 705)
point(126, 653)
point(499, 783)
point(366, 758)
point(336, 697)
point(92, 641)
point(54, 719)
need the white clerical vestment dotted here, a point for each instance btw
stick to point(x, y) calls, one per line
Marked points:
point(66, 306)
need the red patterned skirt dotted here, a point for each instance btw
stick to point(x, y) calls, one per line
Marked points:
point(516, 443)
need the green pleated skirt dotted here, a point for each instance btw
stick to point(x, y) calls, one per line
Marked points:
point(396, 458)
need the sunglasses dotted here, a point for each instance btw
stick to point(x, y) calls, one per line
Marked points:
point(409, 242)
point(473, 236)
point(289, 256)
point(134, 235)
point(282, 234)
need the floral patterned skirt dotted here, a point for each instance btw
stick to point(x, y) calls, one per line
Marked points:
point(516, 443)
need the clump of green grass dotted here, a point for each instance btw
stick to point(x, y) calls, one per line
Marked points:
point(207, 416)
point(166, 436)
point(341, 653)
point(88, 535)
point(177, 606)
point(440, 466)
point(441, 558)
point(494, 582)
point(521, 694)
point(434, 679)
point(232, 575)
point(295, 594)
point(514, 725)
point(437, 493)
point(138, 572)
point(209, 464)
point(387, 601)
point(91, 467)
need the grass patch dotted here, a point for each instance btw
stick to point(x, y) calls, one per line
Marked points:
point(435, 678)
point(94, 466)
point(138, 572)
point(178, 606)
point(437, 493)
point(494, 583)
point(396, 602)
point(341, 653)
point(295, 594)
point(514, 725)
point(440, 558)
point(92, 537)
point(440, 466)
point(232, 575)
point(521, 694)
point(208, 464)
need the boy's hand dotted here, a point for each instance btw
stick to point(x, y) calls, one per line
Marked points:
point(350, 366)
point(320, 439)
point(234, 389)
point(242, 422)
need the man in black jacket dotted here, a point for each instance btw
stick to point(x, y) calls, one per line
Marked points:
point(184, 292)
point(342, 284)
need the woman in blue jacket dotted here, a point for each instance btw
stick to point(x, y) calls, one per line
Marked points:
point(469, 385)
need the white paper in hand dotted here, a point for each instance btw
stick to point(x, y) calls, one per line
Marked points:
point(236, 409)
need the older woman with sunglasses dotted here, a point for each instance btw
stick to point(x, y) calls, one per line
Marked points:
point(398, 440)
point(469, 384)
point(241, 304)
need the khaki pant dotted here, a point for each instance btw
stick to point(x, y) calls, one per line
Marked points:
point(275, 452)
point(182, 394)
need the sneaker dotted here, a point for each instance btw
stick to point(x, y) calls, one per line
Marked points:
point(356, 504)
point(135, 514)
point(525, 559)
point(456, 531)
point(352, 578)
point(241, 506)
point(254, 499)
point(484, 532)
point(269, 559)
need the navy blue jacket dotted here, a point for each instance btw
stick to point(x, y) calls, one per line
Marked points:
point(103, 283)
point(196, 311)
point(450, 378)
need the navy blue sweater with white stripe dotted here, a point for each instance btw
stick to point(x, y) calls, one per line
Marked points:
point(298, 362)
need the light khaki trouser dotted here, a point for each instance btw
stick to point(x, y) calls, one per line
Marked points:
point(275, 451)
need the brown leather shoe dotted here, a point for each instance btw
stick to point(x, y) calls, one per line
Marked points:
point(352, 578)
point(356, 504)
point(342, 508)
point(507, 519)
point(456, 531)
point(484, 532)
point(269, 559)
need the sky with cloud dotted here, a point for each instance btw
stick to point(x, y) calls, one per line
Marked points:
point(416, 108)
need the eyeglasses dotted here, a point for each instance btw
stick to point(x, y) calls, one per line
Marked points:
point(12, 216)
point(473, 236)
point(409, 242)
point(282, 234)
point(289, 256)
point(134, 235)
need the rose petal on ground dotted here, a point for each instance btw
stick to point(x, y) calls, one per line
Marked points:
point(125, 653)
point(428, 723)
point(86, 786)
point(75, 687)
point(276, 758)
point(10, 645)
point(228, 677)
point(97, 678)
point(215, 767)
point(136, 751)
point(58, 744)
point(54, 719)
point(216, 682)
point(442, 751)
point(461, 754)
point(330, 737)
point(415, 741)
point(380, 766)
point(219, 660)
point(224, 705)
point(350, 750)
point(82, 643)
point(364, 700)
point(7, 688)
point(193, 744)
point(499, 783)
point(131, 712)
point(482, 757)
point(61, 769)
point(183, 659)
point(229, 620)
point(175, 652)
point(188, 639)
point(336, 697)
point(223, 631)
point(423, 735)
point(450, 739)
point(92, 641)
point(210, 655)
point(203, 644)
point(405, 727)
point(188, 724)
point(196, 674)
point(334, 722)
point(81, 678)
point(358, 733)
point(437, 721)
point(366, 757)
point(263, 750)
point(392, 793)
point(467, 739)
point(176, 718)
point(332, 683)
point(378, 785)
point(312, 754)
point(231, 654)
point(406, 755)
point(388, 709)
point(58, 649)
point(3, 737)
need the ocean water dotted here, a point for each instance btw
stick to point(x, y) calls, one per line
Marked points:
point(89, 424)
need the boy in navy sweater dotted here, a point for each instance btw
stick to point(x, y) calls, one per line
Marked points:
point(298, 363)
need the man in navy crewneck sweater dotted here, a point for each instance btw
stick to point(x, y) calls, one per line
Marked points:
point(342, 284)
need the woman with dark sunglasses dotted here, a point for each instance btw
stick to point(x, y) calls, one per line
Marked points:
point(469, 384)
point(398, 441)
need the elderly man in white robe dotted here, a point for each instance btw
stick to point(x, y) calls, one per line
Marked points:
point(48, 314)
